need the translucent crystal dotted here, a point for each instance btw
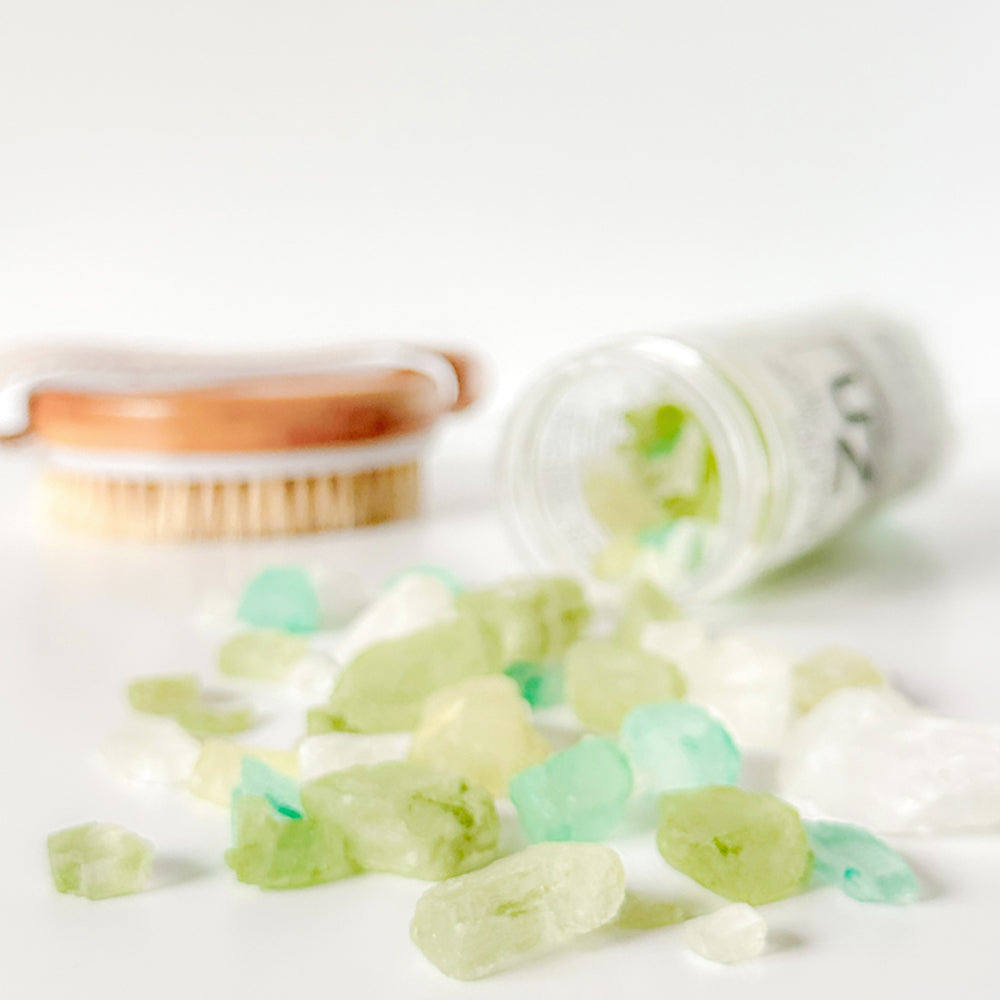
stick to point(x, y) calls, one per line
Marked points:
point(99, 860)
point(673, 745)
point(830, 670)
point(618, 498)
point(218, 713)
point(166, 694)
point(606, 679)
point(151, 749)
point(384, 689)
point(407, 818)
point(867, 756)
point(547, 894)
point(541, 685)
point(644, 603)
point(746, 686)
point(314, 677)
point(217, 770)
point(413, 603)
point(262, 654)
point(280, 791)
point(533, 619)
point(326, 752)
point(578, 794)
point(672, 640)
point(745, 846)
point(656, 428)
point(281, 597)
point(640, 912)
point(481, 729)
point(733, 934)
point(860, 864)
point(277, 852)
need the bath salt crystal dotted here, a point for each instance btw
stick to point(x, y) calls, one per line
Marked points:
point(441, 573)
point(414, 603)
point(830, 670)
point(733, 934)
point(279, 790)
point(151, 749)
point(326, 752)
point(542, 685)
point(672, 640)
point(217, 770)
point(281, 597)
point(218, 713)
point(477, 924)
point(312, 679)
point(165, 694)
point(748, 687)
point(640, 912)
point(867, 756)
point(644, 604)
point(262, 655)
point(99, 860)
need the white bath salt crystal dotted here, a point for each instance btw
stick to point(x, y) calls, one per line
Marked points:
point(326, 752)
point(733, 934)
point(312, 679)
point(414, 602)
point(868, 756)
point(672, 640)
point(747, 686)
point(151, 749)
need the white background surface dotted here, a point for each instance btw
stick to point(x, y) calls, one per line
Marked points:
point(522, 177)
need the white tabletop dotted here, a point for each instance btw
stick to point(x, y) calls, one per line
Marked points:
point(918, 589)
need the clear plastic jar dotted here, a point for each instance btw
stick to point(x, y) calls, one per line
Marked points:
point(812, 422)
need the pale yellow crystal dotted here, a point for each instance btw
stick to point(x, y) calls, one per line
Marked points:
point(829, 670)
point(480, 729)
point(217, 770)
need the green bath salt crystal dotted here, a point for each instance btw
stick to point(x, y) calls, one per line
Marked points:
point(674, 745)
point(262, 654)
point(578, 794)
point(531, 619)
point(746, 846)
point(606, 679)
point(167, 694)
point(222, 715)
point(859, 864)
point(830, 670)
point(541, 685)
point(384, 688)
point(644, 603)
point(279, 790)
point(640, 912)
point(99, 860)
point(282, 597)
point(407, 818)
point(655, 428)
point(277, 852)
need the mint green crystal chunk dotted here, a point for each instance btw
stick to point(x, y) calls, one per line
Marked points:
point(578, 794)
point(531, 619)
point(674, 745)
point(282, 597)
point(278, 852)
point(264, 782)
point(542, 685)
point(746, 846)
point(99, 860)
point(166, 694)
point(860, 865)
point(407, 818)
point(264, 654)
point(384, 688)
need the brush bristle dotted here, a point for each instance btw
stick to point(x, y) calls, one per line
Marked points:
point(177, 511)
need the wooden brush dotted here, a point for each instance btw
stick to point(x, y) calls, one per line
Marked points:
point(173, 447)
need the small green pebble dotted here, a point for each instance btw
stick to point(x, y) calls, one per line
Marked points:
point(282, 597)
point(221, 718)
point(278, 789)
point(99, 860)
point(605, 680)
point(578, 794)
point(674, 745)
point(164, 695)
point(860, 865)
point(542, 685)
point(262, 654)
point(276, 852)
point(746, 846)
point(644, 603)
point(640, 912)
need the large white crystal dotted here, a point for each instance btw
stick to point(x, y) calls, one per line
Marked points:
point(732, 934)
point(870, 757)
point(672, 640)
point(151, 749)
point(414, 602)
point(326, 752)
point(747, 686)
point(312, 680)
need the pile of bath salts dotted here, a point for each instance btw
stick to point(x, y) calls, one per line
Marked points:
point(429, 709)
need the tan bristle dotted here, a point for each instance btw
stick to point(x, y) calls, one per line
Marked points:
point(175, 511)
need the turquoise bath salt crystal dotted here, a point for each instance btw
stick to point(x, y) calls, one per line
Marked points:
point(282, 597)
point(859, 864)
point(578, 794)
point(279, 790)
point(675, 744)
point(542, 685)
